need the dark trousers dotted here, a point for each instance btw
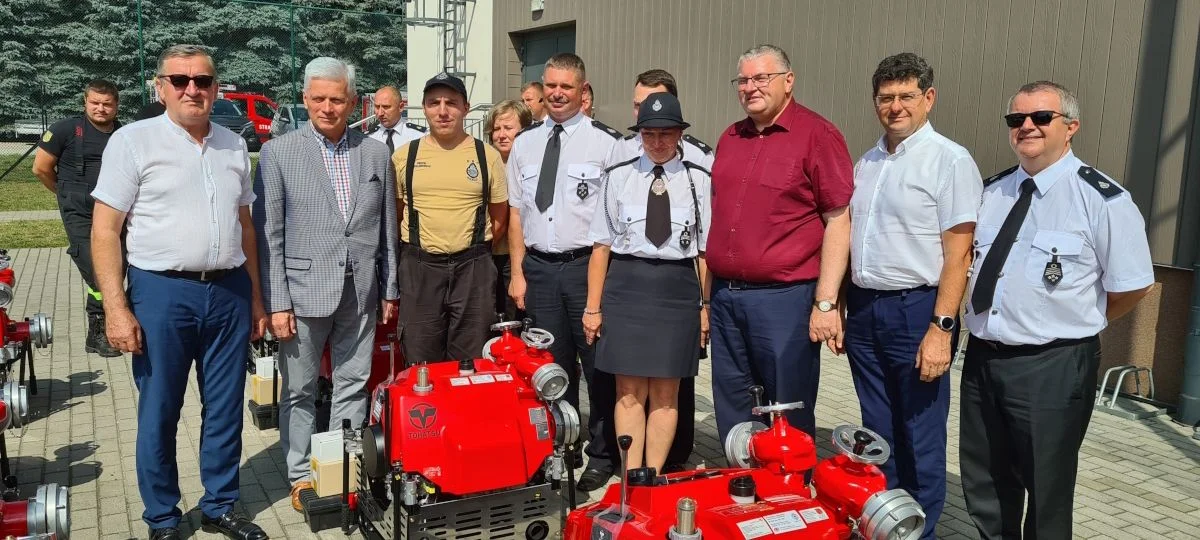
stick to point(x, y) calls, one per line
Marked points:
point(884, 330)
point(182, 321)
point(685, 429)
point(1024, 413)
point(446, 303)
point(75, 206)
point(505, 307)
point(555, 296)
point(760, 337)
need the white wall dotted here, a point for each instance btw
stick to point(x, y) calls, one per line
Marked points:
point(425, 56)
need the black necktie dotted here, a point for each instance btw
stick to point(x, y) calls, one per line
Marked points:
point(989, 271)
point(658, 210)
point(391, 146)
point(545, 189)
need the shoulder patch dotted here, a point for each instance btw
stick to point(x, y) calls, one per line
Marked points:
point(416, 127)
point(1098, 181)
point(603, 127)
point(629, 137)
point(698, 144)
point(529, 127)
point(993, 178)
point(622, 164)
point(700, 168)
point(47, 136)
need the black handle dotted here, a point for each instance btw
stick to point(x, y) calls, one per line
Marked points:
point(625, 441)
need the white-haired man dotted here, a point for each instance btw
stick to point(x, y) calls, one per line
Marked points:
point(325, 215)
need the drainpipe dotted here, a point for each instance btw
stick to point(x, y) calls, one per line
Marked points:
point(1189, 397)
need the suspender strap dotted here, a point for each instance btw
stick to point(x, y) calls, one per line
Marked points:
point(414, 227)
point(79, 128)
point(481, 213)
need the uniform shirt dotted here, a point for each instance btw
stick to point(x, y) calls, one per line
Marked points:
point(405, 131)
point(181, 199)
point(902, 204)
point(447, 188)
point(630, 146)
point(1099, 240)
point(585, 143)
point(620, 220)
point(770, 189)
point(62, 141)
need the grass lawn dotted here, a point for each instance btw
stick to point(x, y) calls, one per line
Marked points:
point(20, 190)
point(32, 234)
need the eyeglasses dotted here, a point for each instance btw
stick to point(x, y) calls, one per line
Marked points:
point(180, 82)
point(1040, 118)
point(886, 100)
point(760, 80)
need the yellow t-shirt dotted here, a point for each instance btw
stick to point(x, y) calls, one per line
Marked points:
point(446, 192)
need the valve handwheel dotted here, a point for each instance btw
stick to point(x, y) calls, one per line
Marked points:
point(506, 325)
point(777, 408)
point(538, 338)
point(861, 445)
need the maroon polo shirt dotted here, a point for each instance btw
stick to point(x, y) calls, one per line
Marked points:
point(769, 191)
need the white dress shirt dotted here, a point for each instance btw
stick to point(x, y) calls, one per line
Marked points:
point(405, 131)
point(620, 221)
point(182, 198)
point(902, 204)
point(630, 146)
point(1099, 241)
point(565, 224)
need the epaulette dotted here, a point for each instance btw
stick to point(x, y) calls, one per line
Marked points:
point(603, 127)
point(700, 168)
point(622, 164)
point(630, 136)
point(532, 126)
point(416, 127)
point(993, 178)
point(698, 144)
point(1098, 181)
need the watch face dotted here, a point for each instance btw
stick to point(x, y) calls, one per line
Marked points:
point(825, 305)
point(946, 323)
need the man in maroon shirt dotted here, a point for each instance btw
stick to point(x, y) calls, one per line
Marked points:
point(778, 247)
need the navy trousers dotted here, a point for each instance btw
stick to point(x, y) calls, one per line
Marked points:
point(884, 330)
point(182, 321)
point(760, 336)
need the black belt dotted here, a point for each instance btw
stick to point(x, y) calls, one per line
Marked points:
point(74, 187)
point(737, 284)
point(563, 256)
point(626, 257)
point(879, 293)
point(1029, 349)
point(202, 276)
point(468, 254)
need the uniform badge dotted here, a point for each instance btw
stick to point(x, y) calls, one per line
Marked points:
point(658, 186)
point(685, 238)
point(657, 106)
point(47, 136)
point(1053, 272)
point(581, 190)
point(472, 171)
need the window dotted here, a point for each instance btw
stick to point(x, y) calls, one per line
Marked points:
point(224, 107)
point(263, 109)
point(301, 114)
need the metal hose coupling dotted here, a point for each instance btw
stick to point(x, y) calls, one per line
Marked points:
point(685, 521)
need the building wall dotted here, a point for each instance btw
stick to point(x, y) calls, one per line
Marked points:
point(425, 57)
point(1133, 64)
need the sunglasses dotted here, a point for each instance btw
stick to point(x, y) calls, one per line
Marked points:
point(1040, 118)
point(180, 82)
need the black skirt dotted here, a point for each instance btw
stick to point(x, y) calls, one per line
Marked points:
point(651, 315)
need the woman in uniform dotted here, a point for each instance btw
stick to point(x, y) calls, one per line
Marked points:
point(645, 307)
point(500, 127)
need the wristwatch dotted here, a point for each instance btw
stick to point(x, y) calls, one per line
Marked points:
point(825, 306)
point(943, 322)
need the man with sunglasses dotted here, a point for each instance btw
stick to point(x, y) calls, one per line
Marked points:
point(916, 194)
point(182, 186)
point(1060, 250)
point(779, 244)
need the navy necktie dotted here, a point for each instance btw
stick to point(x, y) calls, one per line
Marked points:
point(989, 271)
point(545, 188)
point(658, 209)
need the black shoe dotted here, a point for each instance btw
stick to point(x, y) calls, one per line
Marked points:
point(593, 479)
point(233, 526)
point(97, 339)
point(673, 468)
point(164, 533)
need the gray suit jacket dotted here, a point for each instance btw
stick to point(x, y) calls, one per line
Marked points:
point(304, 243)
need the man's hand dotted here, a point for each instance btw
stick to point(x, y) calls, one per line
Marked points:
point(933, 357)
point(283, 325)
point(123, 331)
point(390, 309)
point(258, 321)
point(705, 329)
point(824, 325)
point(516, 290)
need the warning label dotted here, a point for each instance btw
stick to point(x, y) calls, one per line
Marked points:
point(754, 528)
point(459, 381)
point(504, 377)
point(785, 522)
point(813, 515)
point(482, 379)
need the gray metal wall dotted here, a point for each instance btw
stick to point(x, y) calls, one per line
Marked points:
point(1133, 63)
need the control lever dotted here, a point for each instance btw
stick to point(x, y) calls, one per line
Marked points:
point(624, 442)
point(756, 393)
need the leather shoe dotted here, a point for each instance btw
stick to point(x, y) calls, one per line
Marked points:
point(233, 526)
point(164, 533)
point(593, 479)
point(296, 489)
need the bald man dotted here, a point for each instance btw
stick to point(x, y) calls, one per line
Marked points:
point(389, 110)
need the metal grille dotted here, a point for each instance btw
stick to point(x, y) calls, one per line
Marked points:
point(496, 516)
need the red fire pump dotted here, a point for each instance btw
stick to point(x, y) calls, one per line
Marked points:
point(475, 447)
point(45, 516)
point(17, 341)
point(766, 497)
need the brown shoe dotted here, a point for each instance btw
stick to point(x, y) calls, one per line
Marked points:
point(296, 489)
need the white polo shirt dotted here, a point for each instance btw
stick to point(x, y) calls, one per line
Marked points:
point(181, 198)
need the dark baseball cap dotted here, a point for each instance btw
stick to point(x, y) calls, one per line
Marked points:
point(449, 81)
point(660, 110)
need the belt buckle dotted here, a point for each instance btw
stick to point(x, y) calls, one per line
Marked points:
point(736, 285)
point(204, 275)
